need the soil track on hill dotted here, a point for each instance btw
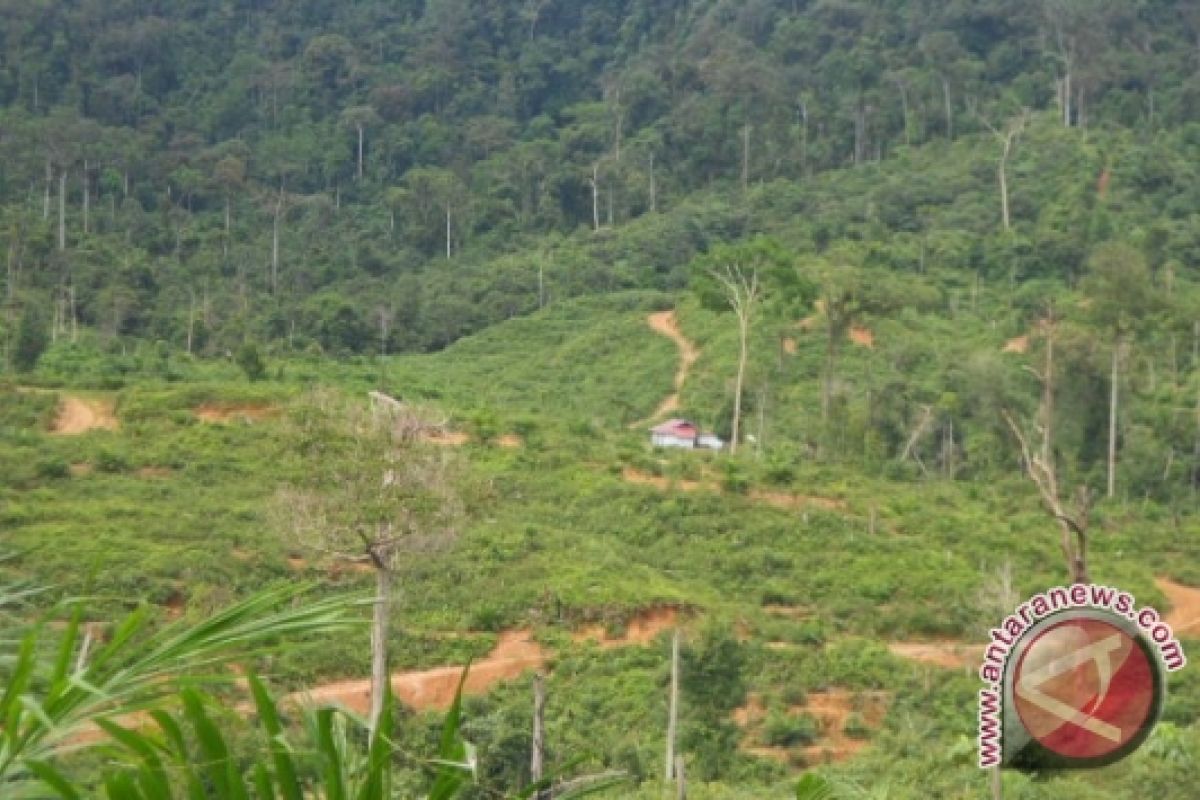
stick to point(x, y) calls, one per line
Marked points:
point(666, 324)
point(515, 653)
point(1184, 616)
point(946, 654)
point(784, 500)
point(212, 412)
point(78, 415)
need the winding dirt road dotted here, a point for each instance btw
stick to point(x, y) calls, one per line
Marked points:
point(515, 653)
point(666, 324)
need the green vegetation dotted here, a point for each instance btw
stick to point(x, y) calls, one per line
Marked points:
point(208, 211)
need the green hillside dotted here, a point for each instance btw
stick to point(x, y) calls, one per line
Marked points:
point(964, 223)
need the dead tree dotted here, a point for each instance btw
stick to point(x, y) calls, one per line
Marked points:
point(376, 493)
point(1072, 518)
point(538, 754)
point(743, 292)
point(673, 708)
point(1007, 138)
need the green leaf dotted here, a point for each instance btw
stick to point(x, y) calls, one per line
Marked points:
point(268, 714)
point(456, 758)
point(54, 779)
point(814, 787)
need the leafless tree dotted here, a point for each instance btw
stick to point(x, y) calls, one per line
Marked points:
point(1007, 138)
point(743, 292)
point(1071, 516)
point(377, 493)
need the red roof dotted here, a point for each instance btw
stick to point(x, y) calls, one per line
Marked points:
point(677, 427)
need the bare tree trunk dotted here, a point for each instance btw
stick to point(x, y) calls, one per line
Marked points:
point(46, 199)
point(86, 199)
point(74, 315)
point(745, 157)
point(680, 779)
point(448, 241)
point(1112, 416)
point(538, 750)
point(827, 382)
point(1001, 174)
point(1067, 97)
point(949, 108)
point(904, 110)
point(379, 628)
point(62, 211)
point(275, 244)
point(360, 152)
point(595, 197)
point(191, 319)
point(673, 707)
point(803, 111)
point(1048, 390)
point(653, 187)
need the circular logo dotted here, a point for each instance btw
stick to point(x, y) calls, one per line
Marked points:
point(1087, 690)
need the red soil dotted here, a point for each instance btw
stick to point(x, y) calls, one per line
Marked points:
point(219, 413)
point(665, 323)
point(1184, 616)
point(947, 654)
point(78, 415)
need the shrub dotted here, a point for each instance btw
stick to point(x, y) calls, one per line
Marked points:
point(53, 467)
point(781, 730)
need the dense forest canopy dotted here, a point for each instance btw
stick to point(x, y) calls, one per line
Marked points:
point(351, 175)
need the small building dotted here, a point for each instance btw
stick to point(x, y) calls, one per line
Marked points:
point(684, 434)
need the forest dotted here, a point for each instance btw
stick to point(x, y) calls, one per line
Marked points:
point(931, 268)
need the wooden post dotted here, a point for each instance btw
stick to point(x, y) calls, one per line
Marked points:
point(997, 786)
point(538, 755)
point(680, 779)
point(673, 707)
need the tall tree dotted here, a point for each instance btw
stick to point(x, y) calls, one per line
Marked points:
point(1121, 294)
point(378, 492)
point(743, 292)
point(1072, 516)
point(358, 119)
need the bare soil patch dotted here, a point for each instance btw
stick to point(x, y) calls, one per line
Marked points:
point(796, 501)
point(790, 346)
point(81, 469)
point(433, 689)
point(863, 337)
point(1184, 616)
point(218, 413)
point(640, 630)
point(151, 473)
point(665, 323)
point(663, 483)
point(947, 654)
point(1018, 345)
point(447, 438)
point(515, 653)
point(831, 709)
point(782, 500)
point(77, 415)
point(510, 441)
point(791, 612)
